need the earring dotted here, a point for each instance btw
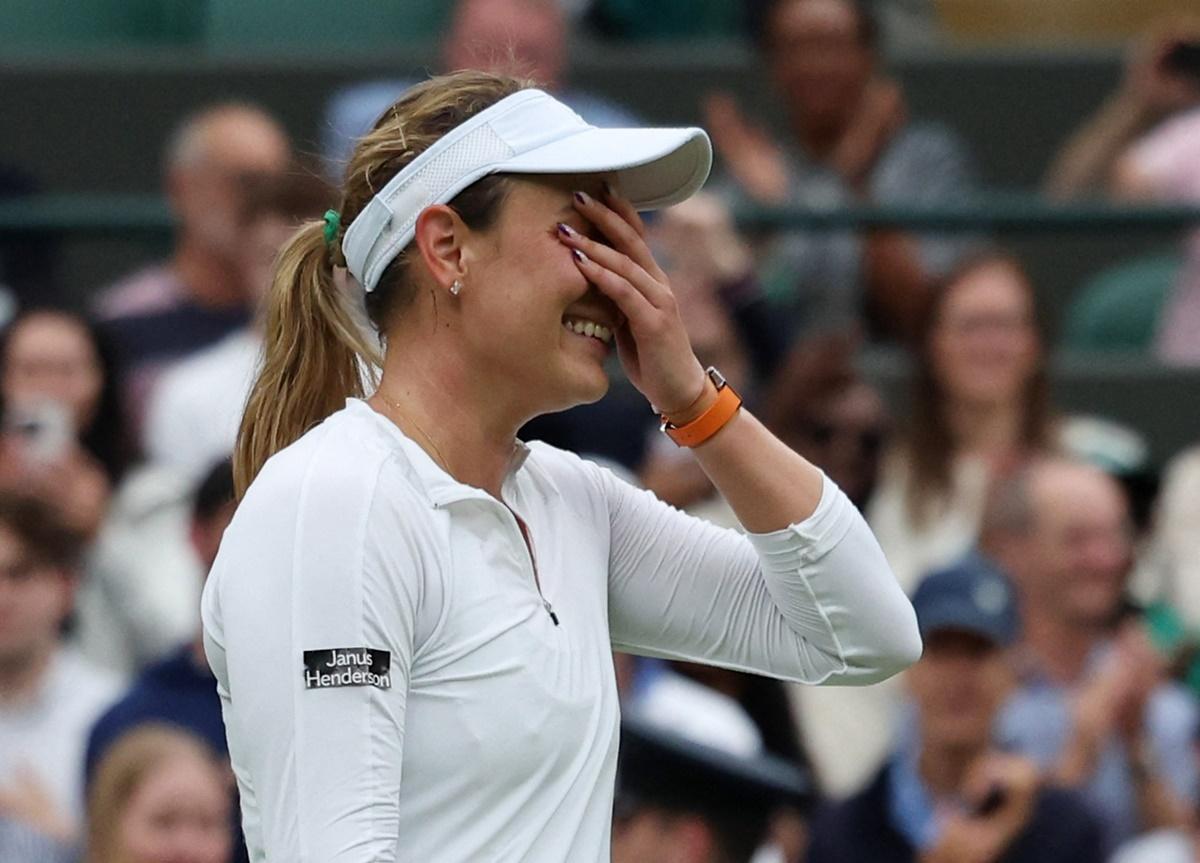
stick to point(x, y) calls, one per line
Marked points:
point(456, 288)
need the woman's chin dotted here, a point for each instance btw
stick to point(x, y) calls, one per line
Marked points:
point(593, 390)
point(588, 385)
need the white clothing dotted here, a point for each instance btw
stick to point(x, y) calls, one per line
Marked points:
point(1161, 846)
point(914, 549)
point(48, 734)
point(1170, 567)
point(197, 405)
point(697, 712)
point(141, 596)
point(496, 735)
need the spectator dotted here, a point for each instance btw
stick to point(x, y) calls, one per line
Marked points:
point(179, 689)
point(145, 575)
point(763, 699)
point(1162, 846)
point(979, 405)
point(1150, 91)
point(712, 273)
point(59, 414)
point(142, 591)
point(1165, 166)
point(850, 141)
point(20, 843)
point(660, 694)
point(196, 406)
point(948, 794)
point(1172, 561)
point(49, 697)
point(170, 310)
point(521, 37)
point(1093, 706)
point(729, 325)
point(159, 796)
point(55, 355)
point(527, 38)
point(822, 407)
point(1142, 145)
point(684, 801)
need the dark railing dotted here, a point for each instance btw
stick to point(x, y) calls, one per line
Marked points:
point(148, 215)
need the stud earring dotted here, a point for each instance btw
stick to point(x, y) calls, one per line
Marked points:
point(456, 288)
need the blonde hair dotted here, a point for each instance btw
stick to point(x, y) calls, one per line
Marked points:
point(122, 770)
point(316, 353)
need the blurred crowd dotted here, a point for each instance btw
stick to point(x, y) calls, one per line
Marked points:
point(1055, 714)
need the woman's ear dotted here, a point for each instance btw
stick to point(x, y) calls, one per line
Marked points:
point(439, 234)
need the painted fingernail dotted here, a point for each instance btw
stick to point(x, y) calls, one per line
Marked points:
point(566, 230)
point(580, 256)
point(582, 198)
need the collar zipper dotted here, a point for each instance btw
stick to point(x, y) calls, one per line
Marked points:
point(527, 537)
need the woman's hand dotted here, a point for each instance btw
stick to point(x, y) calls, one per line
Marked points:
point(880, 115)
point(985, 837)
point(1150, 87)
point(652, 343)
point(756, 162)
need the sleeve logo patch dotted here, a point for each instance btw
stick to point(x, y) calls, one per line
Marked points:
point(347, 666)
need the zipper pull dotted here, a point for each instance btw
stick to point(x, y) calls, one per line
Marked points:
point(550, 611)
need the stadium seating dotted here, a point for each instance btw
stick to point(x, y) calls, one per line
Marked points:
point(667, 19)
point(1119, 309)
point(301, 24)
point(56, 25)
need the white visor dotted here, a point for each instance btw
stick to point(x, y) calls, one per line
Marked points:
point(529, 132)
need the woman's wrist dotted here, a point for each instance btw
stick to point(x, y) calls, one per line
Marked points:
point(700, 404)
point(1131, 112)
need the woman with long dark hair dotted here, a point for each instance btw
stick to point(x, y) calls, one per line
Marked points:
point(980, 404)
point(63, 434)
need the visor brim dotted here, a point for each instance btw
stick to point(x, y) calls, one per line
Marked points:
point(654, 167)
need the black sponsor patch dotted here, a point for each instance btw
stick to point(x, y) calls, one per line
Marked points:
point(347, 666)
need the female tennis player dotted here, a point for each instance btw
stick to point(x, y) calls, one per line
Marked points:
point(412, 615)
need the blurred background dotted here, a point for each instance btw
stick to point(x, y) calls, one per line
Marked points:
point(950, 251)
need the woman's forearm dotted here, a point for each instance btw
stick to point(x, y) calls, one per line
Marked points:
point(1084, 165)
point(767, 485)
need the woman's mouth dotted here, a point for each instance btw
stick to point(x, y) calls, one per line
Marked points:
point(591, 329)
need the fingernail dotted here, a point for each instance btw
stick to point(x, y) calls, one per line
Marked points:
point(582, 198)
point(580, 256)
point(566, 230)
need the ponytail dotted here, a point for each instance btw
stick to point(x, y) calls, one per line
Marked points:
point(315, 355)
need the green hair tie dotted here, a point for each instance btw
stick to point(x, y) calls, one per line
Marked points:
point(333, 223)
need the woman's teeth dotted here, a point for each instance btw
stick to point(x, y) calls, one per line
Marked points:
point(589, 328)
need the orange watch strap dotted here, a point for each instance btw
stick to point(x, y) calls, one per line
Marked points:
point(708, 423)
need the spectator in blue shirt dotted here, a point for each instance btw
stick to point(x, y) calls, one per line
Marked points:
point(948, 795)
point(1094, 707)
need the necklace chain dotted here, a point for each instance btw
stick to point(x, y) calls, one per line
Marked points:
point(437, 453)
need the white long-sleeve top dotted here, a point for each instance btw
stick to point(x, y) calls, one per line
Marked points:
point(475, 726)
